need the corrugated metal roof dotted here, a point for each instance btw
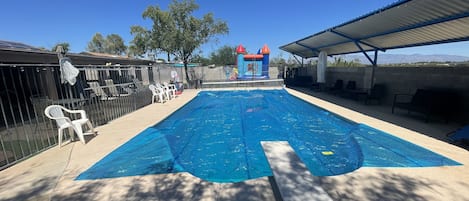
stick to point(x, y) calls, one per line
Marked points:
point(20, 53)
point(17, 46)
point(15, 56)
point(406, 23)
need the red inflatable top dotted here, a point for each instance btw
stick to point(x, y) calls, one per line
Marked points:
point(265, 50)
point(240, 49)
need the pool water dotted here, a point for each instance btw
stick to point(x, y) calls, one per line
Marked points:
point(217, 135)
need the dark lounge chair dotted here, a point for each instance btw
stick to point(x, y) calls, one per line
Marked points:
point(418, 102)
point(376, 93)
point(316, 86)
point(349, 90)
point(459, 136)
point(429, 102)
point(338, 87)
point(351, 85)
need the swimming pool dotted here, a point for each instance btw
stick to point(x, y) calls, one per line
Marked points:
point(217, 135)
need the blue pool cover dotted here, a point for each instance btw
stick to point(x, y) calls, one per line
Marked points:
point(216, 137)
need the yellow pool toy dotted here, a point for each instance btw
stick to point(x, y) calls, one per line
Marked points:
point(327, 153)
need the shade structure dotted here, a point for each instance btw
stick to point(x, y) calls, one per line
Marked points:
point(406, 23)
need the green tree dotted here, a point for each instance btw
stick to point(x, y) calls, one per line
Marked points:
point(292, 62)
point(226, 55)
point(201, 60)
point(156, 40)
point(341, 62)
point(114, 45)
point(161, 35)
point(97, 44)
point(65, 46)
point(278, 60)
point(179, 33)
point(140, 44)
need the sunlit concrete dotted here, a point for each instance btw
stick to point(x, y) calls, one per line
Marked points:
point(50, 175)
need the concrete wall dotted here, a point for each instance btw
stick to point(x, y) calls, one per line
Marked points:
point(218, 73)
point(403, 80)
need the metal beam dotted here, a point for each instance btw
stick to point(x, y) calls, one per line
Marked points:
point(297, 60)
point(367, 56)
point(432, 42)
point(420, 25)
point(307, 47)
point(414, 45)
point(373, 69)
point(302, 53)
point(376, 57)
point(459, 15)
point(415, 26)
point(357, 40)
point(294, 55)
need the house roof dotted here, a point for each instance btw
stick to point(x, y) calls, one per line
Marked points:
point(19, 53)
point(406, 23)
point(16, 46)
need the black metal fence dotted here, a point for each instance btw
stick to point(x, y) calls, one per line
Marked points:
point(104, 92)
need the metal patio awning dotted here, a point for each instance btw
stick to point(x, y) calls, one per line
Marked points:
point(406, 23)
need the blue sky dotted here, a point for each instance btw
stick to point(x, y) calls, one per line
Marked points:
point(252, 23)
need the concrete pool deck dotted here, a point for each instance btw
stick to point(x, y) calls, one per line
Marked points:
point(50, 174)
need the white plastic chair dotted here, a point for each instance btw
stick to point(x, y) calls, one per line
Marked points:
point(165, 90)
point(156, 93)
point(56, 113)
point(171, 88)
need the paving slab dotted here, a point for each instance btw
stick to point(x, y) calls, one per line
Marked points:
point(293, 179)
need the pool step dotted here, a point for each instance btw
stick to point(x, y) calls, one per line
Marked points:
point(292, 177)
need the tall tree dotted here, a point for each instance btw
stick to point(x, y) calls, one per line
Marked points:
point(114, 45)
point(97, 44)
point(161, 34)
point(140, 44)
point(65, 46)
point(292, 62)
point(278, 60)
point(226, 55)
point(179, 33)
point(200, 59)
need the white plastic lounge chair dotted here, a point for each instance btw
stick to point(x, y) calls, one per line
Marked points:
point(156, 93)
point(113, 89)
point(99, 92)
point(56, 113)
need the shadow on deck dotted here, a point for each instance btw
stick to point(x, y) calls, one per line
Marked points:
point(436, 129)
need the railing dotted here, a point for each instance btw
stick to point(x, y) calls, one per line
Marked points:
point(27, 89)
point(104, 92)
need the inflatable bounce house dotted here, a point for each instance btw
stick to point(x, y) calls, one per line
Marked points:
point(252, 66)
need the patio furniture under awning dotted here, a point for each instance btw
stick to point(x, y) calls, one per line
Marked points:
point(405, 23)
